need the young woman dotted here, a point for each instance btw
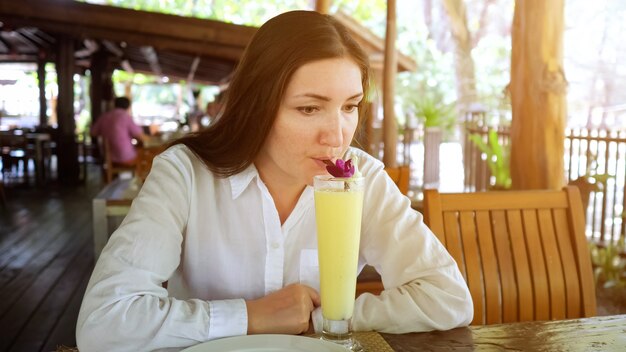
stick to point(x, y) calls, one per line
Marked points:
point(226, 216)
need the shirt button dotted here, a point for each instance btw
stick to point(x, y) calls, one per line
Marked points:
point(275, 245)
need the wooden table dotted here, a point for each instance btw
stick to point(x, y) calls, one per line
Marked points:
point(109, 208)
point(591, 334)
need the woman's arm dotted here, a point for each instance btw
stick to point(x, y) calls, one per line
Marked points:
point(125, 307)
point(424, 289)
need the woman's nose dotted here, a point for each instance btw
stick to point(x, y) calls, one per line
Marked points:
point(332, 134)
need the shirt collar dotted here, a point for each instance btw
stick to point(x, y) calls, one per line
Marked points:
point(239, 182)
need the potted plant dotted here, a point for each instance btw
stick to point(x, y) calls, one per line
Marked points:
point(438, 120)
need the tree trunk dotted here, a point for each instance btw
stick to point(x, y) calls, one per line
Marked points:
point(390, 128)
point(538, 88)
point(464, 63)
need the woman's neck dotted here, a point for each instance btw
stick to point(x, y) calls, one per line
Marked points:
point(285, 198)
point(284, 192)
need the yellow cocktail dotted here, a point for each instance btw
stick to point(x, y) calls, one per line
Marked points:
point(338, 209)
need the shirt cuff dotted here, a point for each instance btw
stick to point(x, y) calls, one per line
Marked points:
point(318, 320)
point(227, 318)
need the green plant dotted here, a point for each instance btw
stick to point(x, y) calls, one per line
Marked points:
point(609, 266)
point(435, 114)
point(498, 158)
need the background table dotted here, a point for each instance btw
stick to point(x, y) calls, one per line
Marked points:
point(109, 208)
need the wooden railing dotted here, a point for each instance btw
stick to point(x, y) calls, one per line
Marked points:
point(599, 157)
point(595, 161)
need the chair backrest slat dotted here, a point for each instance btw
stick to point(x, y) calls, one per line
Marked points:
point(453, 240)
point(472, 260)
point(553, 264)
point(505, 264)
point(572, 283)
point(537, 265)
point(522, 268)
point(493, 314)
point(576, 222)
point(523, 254)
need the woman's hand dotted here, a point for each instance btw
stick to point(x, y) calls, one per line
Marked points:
point(286, 311)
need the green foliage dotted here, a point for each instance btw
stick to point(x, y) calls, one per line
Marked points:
point(435, 113)
point(434, 80)
point(609, 266)
point(247, 12)
point(498, 158)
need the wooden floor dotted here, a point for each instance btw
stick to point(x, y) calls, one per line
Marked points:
point(46, 258)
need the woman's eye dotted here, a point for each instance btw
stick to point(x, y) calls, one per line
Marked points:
point(350, 108)
point(308, 109)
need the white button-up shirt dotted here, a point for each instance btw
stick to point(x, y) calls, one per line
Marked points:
point(219, 241)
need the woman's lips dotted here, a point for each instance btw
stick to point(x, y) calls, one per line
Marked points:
point(322, 162)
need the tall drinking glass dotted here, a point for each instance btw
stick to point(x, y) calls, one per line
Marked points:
point(338, 208)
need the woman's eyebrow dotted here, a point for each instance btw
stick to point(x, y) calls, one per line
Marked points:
point(325, 98)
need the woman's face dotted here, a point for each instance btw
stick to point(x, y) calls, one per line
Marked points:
point(316, 121)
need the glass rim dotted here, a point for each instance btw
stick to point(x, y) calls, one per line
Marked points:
point(328, 177)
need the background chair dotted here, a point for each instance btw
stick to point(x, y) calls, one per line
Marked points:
point(523, 254)
point(15, 155)
point(110, 168)
point(369, 280)
point(400, 176)
point(145, 156)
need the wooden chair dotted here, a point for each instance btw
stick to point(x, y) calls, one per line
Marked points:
point(523, 254)
point(110, 168)
point(369, 280)
point(400, 176)
point(15, 151)
point(145, 156)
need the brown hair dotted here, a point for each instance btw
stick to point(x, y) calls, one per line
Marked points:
point(281, 46)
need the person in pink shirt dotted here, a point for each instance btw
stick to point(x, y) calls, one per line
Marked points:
point(118, 129)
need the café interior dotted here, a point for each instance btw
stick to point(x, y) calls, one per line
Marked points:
point(532, 254)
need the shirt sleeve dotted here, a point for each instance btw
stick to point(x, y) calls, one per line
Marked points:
point(125, 307)
point(95, 127)
point(134, 129)
point(424, 289)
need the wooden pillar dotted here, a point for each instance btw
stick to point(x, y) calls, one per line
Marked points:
point(41, 77)
point(322, 6)
point(538, 88)
point(66, 143)
point(390, 128)
point(101, 86)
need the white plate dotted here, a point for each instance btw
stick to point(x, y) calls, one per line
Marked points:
point(267, 343)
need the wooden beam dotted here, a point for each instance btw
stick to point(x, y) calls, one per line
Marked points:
point(538, 87)
point(163, 32)
point(153, 60)
point(193, 68)
point(390, 128)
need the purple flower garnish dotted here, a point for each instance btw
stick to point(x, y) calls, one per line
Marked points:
point(340, 168)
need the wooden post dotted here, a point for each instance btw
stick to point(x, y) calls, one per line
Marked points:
point(41, 77)
point(66, 143)
point(101, 86)
point(322, 6)
point(538, 88)
point(390, 128)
